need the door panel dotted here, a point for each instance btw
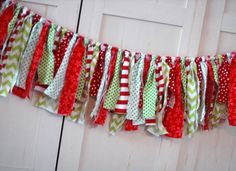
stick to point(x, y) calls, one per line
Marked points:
point(30, 136)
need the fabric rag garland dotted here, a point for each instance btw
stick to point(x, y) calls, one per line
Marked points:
point(171, 96)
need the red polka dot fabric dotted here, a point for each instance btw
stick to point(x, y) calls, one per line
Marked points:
point(98, 72)
point(60, 52)
point(223, 81)
point(174, 117)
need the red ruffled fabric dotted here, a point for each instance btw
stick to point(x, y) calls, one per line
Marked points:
point(98, 72)
point(174, 117)
point(5, 17)
point(210, 94)
point(73, 71)
point(232, 92)
point(102, 113)
point(34, 64)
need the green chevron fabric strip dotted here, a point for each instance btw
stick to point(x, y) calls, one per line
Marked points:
point(46, 65)
point(10, 72)
point(150, 93)
point(192, 92)
point(202, 107)
point(103, 83)
point(46, 103)
point(55, 87)
point(14, 19)
point(136, 77)
point(28, 54)
point(116, 124)
point(113, 91)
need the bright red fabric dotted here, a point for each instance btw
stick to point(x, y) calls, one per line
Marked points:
point(34, 64)
point(102, 113)
point(98, 72)
point(232, 92)
point(73, 71)
point(174, 117)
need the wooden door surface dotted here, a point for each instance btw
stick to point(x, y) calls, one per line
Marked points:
point(29, 137)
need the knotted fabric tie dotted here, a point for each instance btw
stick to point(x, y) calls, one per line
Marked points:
point(101, 90)
point(23, 93)
point(121, 104)
point(232, 92)
point(192, 105)
point(102, 113)
point(98, 72)
point(113, 91)
point(135, 83)
point(6, 50)
point(28, 54)
point(150, 93)
point(46, 66)
point(55, 87)
point(73, 71)
point(174, 117)
point(10, 72)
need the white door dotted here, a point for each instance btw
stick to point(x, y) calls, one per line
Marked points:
point(165, 27)
point(29, 137)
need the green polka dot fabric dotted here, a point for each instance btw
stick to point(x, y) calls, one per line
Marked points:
point(81, 80)
point(46, 65)
point(135, 84)
point(150, 93)
point(28, 54)
point(55, 87)
point(113, 91)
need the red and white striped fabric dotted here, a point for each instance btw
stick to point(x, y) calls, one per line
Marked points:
point(6, 51)
point(89, 60)
point(160, 82)
point(121, 105)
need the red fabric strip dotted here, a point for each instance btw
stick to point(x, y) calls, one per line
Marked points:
point(174, 118)
point(232, 92)
point(73, 71)
point(210, 91)
point(98, 72)
point(34, 64)
point(61, 50)
point(102, 113)
point(5, 18)
point(129, 126)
